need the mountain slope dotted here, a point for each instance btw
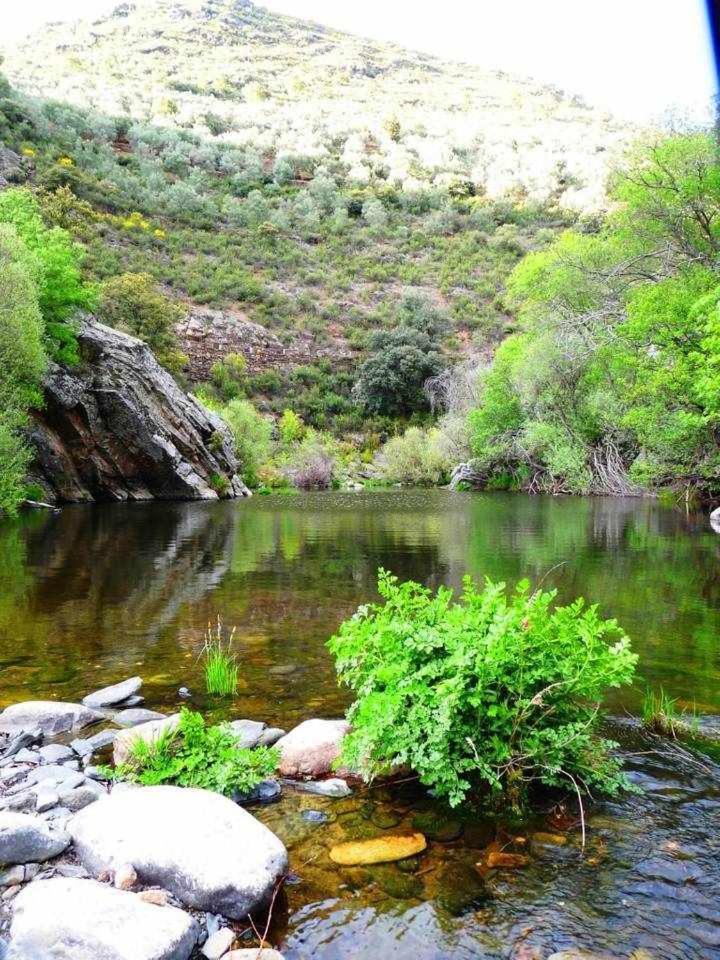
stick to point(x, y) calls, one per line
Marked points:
point(230, 68)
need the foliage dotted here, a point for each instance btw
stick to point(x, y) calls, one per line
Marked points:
point(133, 303)
point(660, 713)
point(195, 755)
point(219, 662)
point(312, 462)
point(492, 691)
point(228, 377)
point(415, 459)
point(252, 434)
point(290, 427)
point(61, 290)
point(22, 360)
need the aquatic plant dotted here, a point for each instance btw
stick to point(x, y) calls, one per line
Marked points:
point(196, 755)
point(661, 715)
point(220, 663)
point(483, 695)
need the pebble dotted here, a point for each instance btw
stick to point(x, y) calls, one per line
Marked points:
point(314, 816)
point(184, 693)
point(125, 877)
point(159, 897)
point(46, 800)
point(12, 876)
point(11, 892)
point(218, 943)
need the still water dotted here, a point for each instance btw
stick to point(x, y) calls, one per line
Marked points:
point(94, 594)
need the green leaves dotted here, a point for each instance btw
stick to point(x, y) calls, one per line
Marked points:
point(481, 693)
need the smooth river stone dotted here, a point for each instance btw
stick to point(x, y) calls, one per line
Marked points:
point(378, 850)
point(109, 696)
point(134, 716)
point(199, 845)
point(248, 732)
point(50, 716)
point(71, 919)
point(28, 839)
point(311, 748)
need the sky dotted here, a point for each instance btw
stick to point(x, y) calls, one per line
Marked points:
point(639, 59)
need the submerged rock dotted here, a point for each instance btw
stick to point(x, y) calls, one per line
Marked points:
point(379, 850)
point(87, 920)
point(267, 791)
point(109, 696)
point(311, 748)
point(28, 839)
point(50, 716)
point(118, 427)
point(332, 787)
point(208, 852)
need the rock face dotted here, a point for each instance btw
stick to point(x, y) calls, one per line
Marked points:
point(118, 427)
point(27, 839)
point(50, 716)
point(11, 168)
point(200, 846)
point(69, 919)
point(311, 748)
point(109, 696)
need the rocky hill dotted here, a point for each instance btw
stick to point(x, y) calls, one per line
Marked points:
point(238, 73)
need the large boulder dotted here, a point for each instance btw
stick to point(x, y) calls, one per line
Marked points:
point(149, 732)
point(69, 919)
point(118, 427)
point(28, 839)
point(210, 853)
point(311, 749)
point(50, 716)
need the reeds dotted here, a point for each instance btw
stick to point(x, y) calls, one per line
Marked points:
point(220, 663)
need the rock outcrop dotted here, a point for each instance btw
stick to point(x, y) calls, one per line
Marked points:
point(118, 427)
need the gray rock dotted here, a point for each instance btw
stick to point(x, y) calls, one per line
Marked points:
point(12, 168)
point(75, 870)
point(109, 696)
point(333, 787)
point(50, 774)
point(56, 753)
point(19, 801)
point(135, 716)
point(80, 797)
point(149, 732)
point(118, 427)
point(254, 953)
point(248, 732)
point(210, 853)
point(46, 800)
point(311, 749)
point(58, 815)
point(31, 871)
point(50, 716)
point(71, 919)
point(12, 876)
point(270, 736)
point(21, 739)
point(218, 943)
point(95, 773)
point(27, 756)
point(24, 838)
point(133, 701)
point(90, 745)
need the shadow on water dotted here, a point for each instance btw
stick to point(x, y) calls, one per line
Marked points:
point(95, 593)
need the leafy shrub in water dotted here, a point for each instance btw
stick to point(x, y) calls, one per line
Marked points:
point(252, 433)
point(416, 459)
point(490, 692)
point(313, 464)
point(195, 755)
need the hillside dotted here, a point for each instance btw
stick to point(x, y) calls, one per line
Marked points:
point(230, 69)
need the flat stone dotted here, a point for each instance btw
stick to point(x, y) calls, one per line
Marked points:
point(48, 775)
point(332, 787)
point(378, 850)
point(27, 756)
point(50, 716)
point(84, 920)
point(159, 897)
point(149, 732)
point(90, 745)
point(109, 696)
point(74, 870)
point(270, 736)
point(218, 943)
point(46, 800)
point(80, 797)
point(55, 753)
point(199, 845)
point(21, 739)
point(24, 838)
point(248, 732)
point(311, 748)
point(131, 718)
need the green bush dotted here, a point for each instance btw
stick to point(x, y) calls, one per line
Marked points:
point(133, 303)
point(228, 377)
point(252, 433)
point(195, 755)
point(415, 459)
point(492, 692)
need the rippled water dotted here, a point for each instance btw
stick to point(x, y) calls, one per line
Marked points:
point(95, 593)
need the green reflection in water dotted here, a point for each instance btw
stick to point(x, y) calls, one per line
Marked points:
point(96, 593)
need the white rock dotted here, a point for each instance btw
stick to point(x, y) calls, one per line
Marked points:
point(90, 745)
point(149, 732)
point(248, 732)
point(311, 748)
point(114, 694)
point(67, 919)
point(203, 848)
point(218, 943)
point(131, 718)
point(254, 953)
point(46, 800)
point(56, 753)
point(125, 877)
point(24, 839)
point(51, 716)
point(332, 787)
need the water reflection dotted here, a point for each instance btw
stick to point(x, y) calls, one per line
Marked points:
point(94, 592)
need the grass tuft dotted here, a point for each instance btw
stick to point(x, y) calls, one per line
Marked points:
point(220, 666)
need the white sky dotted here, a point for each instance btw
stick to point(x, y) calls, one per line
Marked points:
point(637, 58)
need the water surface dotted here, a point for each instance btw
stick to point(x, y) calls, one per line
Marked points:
point(93, 594)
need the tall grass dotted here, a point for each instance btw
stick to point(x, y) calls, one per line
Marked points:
point(660, 714)
point(220, 663)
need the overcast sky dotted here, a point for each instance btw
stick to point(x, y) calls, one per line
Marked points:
point(637, 58)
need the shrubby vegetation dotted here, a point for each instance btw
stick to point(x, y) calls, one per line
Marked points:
point(486, 694)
